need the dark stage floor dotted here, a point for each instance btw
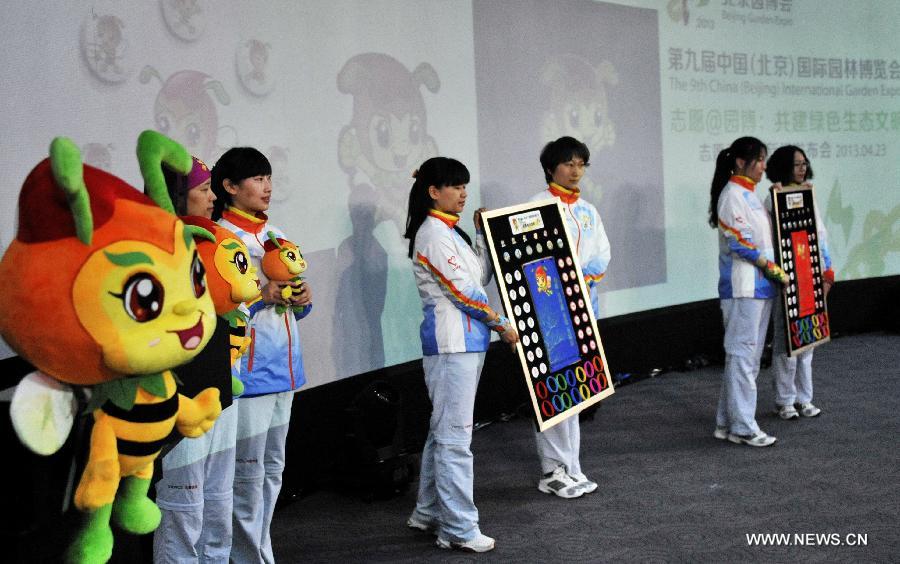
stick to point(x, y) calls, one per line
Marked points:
point(668, 492)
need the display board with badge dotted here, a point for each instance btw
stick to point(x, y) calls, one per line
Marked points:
point(545, 297)
point(797, 252)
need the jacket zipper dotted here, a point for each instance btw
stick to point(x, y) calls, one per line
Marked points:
point(578, 226)
point(252, 347)
point(287, 326)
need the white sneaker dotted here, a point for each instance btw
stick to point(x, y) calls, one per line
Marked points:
point(426, 526)
point(561, 484)
point(481, 543)
point(808, 409)
point(720, 433)
point(758, 440)
point(586, 484)
point(787, 412)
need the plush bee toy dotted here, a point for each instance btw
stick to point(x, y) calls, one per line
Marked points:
point(232, 281)
point(283, 262)
point(103, 287)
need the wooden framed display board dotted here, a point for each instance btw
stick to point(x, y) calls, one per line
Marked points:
point(797, 252)
point(546, 299)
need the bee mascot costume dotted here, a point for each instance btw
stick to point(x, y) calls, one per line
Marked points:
point(232, 281)
point(103, 288)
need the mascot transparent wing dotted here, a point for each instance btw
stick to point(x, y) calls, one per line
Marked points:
point(42, 411)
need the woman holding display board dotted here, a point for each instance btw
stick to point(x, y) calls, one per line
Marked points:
point(788, 166)
point(564, 162)
point(450, 276)
point(748, 282)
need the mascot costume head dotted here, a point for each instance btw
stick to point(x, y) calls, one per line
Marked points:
point(232, 281)
point(104, 288)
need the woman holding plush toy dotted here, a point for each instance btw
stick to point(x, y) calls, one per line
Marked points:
point(272, 369)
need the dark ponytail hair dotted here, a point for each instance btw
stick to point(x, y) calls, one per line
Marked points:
point(780, 167)
point(748, 149)
point(438, 172)
point(235, 164)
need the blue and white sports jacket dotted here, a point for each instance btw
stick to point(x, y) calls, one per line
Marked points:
point(451, 277)
point(274, 360)
point(745, 233)
point(588, 235)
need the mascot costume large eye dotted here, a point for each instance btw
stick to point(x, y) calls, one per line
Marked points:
point(283, 262)
point(232, 281)
point(104, 288)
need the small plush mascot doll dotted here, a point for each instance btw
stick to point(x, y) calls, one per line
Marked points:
point(103, 287)
point(232, 281)
point(282, 261)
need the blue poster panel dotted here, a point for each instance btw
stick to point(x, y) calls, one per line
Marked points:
point(545, 297)
point(552, 312)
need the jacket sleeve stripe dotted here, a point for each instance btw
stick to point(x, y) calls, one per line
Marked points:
point(731, 232)
point(457, 295)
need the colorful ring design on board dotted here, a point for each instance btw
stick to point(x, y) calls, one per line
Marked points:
point(545, 405)
point(585, 391)
point(555, 387)
point(602, 380)
point(583, 376)
point(541, 389)
point(571, 378)
point(575, 400)
point(562, 405)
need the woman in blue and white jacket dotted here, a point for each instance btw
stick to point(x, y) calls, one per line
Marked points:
point(564, 162)
point(748, 282)
point(789, 166)
point(272, 368)
point(455, 333)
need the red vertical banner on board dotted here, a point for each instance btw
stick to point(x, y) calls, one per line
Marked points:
point(803, 272)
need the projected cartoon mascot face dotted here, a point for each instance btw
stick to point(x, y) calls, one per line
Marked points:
point(105, 288)
point(184, 109)
point(388, 134)
point(258, 53)
point(578, 103)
